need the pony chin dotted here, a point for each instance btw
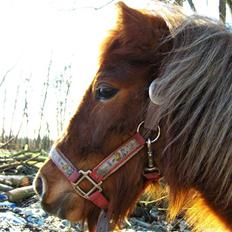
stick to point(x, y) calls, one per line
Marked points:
point(73, 215)
point(67, 206)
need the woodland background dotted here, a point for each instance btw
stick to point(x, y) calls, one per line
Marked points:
point(49, 59)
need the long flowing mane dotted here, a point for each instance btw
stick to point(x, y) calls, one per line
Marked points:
point(195, 89)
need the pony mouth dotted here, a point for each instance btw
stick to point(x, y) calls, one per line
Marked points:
point(59, 208)
point(57, 211)
point(60, 213)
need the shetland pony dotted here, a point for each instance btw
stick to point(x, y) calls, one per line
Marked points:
point(101, 165)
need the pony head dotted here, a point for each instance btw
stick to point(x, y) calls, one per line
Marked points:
point(113, 106)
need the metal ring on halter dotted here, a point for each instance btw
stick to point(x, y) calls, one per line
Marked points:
point(151, 140)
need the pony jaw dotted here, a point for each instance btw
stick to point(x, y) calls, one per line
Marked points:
point(68, 206)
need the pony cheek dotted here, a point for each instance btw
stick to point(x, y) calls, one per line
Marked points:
point(74, 209)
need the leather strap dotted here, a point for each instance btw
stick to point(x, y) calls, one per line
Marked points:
point(104, 169)
point(103, 222)
point(65, 166)
point(118, 157)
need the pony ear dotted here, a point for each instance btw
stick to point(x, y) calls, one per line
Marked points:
point(141, 26)
point(129, 17)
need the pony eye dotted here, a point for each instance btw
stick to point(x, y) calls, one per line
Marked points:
point(105, 92)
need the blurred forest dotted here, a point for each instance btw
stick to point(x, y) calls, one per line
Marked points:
point(34, 111)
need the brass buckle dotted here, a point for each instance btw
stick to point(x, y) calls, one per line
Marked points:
point(80, 191)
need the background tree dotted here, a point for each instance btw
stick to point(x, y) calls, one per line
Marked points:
point(18, 99)
point(3, 117)
point(46, 85)
point(222, 10)
point(25, 113)
point(62, 86)
point(5, 75)
point(14, 110)
point(229, 3)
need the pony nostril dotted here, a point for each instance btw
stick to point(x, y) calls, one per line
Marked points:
point(38, 185)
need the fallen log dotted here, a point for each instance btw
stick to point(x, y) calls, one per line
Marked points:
point(18, 153)
point(23, 158)
point(19, 194)
point(8, 166)
point(16, 181)
point(19, 158)
point(37, 158)
point(44, 153)
point(141, 223)
point(7, 142)
point(15, 164)
point(5, 188)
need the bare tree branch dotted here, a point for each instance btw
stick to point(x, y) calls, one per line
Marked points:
point(192, 5)
point(5, 75)
point(25, 108)
point(104, 5)
point(222, 10)
point(14, 110)
point(4, 116)
point(229, 3)
point(91, 7)
point(46, 84)
point(179, 2)
point(7, 142)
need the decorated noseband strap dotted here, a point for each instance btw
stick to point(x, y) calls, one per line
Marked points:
point(104, 169)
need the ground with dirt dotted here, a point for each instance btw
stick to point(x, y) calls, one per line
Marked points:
point(27, 215)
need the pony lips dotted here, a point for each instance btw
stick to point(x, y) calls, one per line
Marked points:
point(107, 167)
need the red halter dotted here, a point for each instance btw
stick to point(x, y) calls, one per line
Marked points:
point(104, 169)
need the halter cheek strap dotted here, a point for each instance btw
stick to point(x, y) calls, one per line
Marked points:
point(98, 174)
point(106, 168)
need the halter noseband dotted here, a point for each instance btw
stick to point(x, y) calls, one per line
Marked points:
point(105, 168)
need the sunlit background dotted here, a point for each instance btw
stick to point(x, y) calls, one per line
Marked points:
point(48, 57)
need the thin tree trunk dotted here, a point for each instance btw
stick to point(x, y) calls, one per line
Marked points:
point(57, 87)
point(222, 10)
point(5, 75)
point(179, 2)
point(26, 108)
point(192, 5)
point(7, 142)
point(14, 109)
point(229, 2)
point(63, 84)
point(46, 84)
point(68, 83)
point(25, 111)
point(65, 101)
point(3, 117)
